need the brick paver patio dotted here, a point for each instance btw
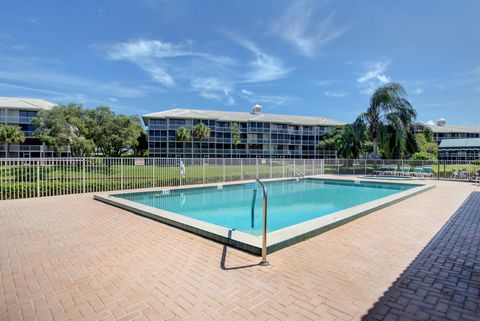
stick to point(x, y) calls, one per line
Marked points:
point(443, 283)
point(72, 258)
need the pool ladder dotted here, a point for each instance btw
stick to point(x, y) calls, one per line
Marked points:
point(264, 261)
point(297, 173)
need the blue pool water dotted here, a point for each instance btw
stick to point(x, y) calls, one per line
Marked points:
point(289, 202)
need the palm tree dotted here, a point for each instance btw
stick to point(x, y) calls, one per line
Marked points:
point(235, 132)
point(10, 135)
point(183, 134)
point(200, 132)
point(389, 111)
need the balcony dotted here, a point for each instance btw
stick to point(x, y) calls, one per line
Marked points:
point(157, 126)
point(31, 148)
point(15, 119)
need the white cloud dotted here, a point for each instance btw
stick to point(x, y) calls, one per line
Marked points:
point(323, 83)
point(375, 72)
point(33, 75)
point(212, 88)
point(418, 91)
point(178, 65)
point(152, 55)
point(430, 122)
point(264, 67)
point(272, 101)
point(374, 77)
point(300, 26)
point(336, 94)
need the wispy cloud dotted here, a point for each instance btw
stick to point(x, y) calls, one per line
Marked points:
point(179, 66)
point(152, 56)
point(212, 88)
point(323, 83)
point(264, 67)
point(336, 94)
point(375, 71)
point(272, 100)
point(374, 76)
point(301, 26)
point(418, 91)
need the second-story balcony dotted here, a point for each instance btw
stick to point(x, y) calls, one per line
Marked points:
point(15, 119)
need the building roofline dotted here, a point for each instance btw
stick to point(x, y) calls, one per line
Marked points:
point(25, 103)
point(182, 113)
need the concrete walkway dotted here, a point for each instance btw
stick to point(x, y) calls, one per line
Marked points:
point(443, 283)
point(73, 258)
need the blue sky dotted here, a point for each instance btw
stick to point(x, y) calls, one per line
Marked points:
point(301, 57)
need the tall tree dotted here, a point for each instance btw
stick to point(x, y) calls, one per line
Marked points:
point(11, 135)
point(141, 148)
point(235, 134)
point(65, 126)
point(347, 140)
point(388, 118)
point(200, 132)
point(113, 134)
point(183, 134)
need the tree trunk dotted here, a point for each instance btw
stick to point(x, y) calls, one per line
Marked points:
point(375, 153)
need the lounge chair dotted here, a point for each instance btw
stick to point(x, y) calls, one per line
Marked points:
point(428, 171)
point(406, 171)
point(391, 169)
point(418, 172)
point(395, 170)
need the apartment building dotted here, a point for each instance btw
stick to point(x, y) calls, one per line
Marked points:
point(20, 112)
point(443, 131)
point(261, 134)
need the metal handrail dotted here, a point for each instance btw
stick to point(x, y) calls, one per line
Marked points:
point(297, 171)
point(264, 261)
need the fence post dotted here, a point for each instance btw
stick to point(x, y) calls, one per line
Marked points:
point(283, 167)
point(83, 175)
point(224, 174)
point(241, 169)
point(153, 173)
point(256, 167)
point(121, 173)
point(38, 178)
point(203, 170)
point(271, 173)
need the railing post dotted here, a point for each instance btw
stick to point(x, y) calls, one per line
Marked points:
point(83, 175)
point(271, 172)
point(256, 168)
point(283, 167)
point(241, 169)
point(203, 170)
point(224, 173)
point(121, 173)
point(264, 261)
point(38, 178)
point(153, 173)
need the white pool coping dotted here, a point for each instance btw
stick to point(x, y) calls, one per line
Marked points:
point(275, 240)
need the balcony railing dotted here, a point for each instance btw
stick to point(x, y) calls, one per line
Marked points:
point(16, 119)
point(30, 148)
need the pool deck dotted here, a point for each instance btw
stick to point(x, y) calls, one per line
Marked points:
point(73, 258)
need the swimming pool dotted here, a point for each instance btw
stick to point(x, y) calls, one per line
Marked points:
point(297, 209)
point(289, 202)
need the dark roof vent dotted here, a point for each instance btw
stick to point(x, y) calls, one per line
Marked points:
point(441, 122)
